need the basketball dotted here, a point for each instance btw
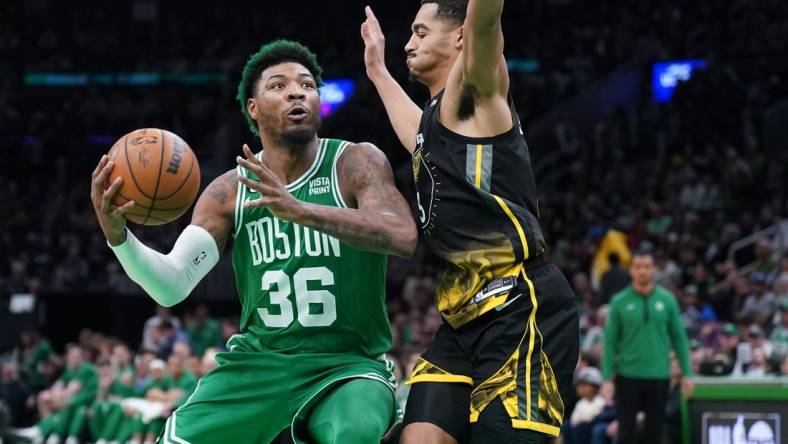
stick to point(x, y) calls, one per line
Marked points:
point(160, 174)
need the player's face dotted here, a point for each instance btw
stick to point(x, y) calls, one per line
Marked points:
point(642, 270)
point(287, 104)
point(434, 43)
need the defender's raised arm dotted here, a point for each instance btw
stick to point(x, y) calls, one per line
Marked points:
point(403, 113)
point(483, 64)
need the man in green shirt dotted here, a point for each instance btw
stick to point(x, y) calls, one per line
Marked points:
point(107, 413)
point(35, 353)
point(171, 387)
point(203, 331)
point(643, 325)
point(58, 406)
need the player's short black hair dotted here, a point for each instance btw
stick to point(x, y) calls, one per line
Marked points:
point(451, 10)
point(274, 53)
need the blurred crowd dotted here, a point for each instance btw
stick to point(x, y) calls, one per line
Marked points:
point(685, 180)
point(104, 390)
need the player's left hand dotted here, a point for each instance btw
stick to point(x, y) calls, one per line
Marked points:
point(273, 194)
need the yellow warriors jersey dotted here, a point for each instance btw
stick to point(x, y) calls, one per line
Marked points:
point(477, 208)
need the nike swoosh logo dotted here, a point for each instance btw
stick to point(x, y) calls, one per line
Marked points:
point(507, 303)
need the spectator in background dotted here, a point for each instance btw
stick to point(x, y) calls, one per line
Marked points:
point(583, 292)
point(155, 394)
point(106, 415)
point(182, 348)
point(75, 389)
point(35, 354)
point(150, 330)
point(592, 343)
point(208, 362)
point(759, 365)
point(757, 340)
point(613, 241)
point(731, 292)
point(203, 331)
point(780, 291)
point(765, 261)
point(709, 329)
point(590, 404)
point(759, 305)
point(723, 360)
point(779, 336)
point(614, 279)
point(171, 386)
point(169, 337)
point(142, 371)
point(18, 281)
point(668, 272)
point(15, 394)
point(644, 323)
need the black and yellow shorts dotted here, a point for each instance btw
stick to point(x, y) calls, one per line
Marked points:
point(503, 375)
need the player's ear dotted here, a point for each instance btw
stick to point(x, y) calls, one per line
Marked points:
point(251, 108)
point(458, 42)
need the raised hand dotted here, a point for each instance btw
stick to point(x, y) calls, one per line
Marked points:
point(273, 194)
point(374, 43)
point(112, 218)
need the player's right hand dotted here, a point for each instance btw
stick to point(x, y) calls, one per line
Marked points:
point(111, 218)
point(374, 43)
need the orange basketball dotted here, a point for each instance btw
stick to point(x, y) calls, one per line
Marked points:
point(160, 174)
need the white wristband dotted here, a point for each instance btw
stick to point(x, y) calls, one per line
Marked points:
point(169, 278)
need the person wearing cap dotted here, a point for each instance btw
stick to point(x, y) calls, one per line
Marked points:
point(643, 325)
point(142, 412)
point(724, 360)
point(756, 337)
point(590, 404)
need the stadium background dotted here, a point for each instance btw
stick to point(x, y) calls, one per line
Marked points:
point(699, 179)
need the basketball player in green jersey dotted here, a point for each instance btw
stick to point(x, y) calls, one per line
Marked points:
point(498, 366)
point(313, 220)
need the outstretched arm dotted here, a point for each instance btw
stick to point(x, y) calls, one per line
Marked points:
point(403, 113)
point(483, 64)
point(380, 222)
point(169, 278)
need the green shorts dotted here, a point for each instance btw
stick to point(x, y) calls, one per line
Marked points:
point(252, 396)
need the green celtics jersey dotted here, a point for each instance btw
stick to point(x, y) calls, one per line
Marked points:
point(303, 291)
point(87, 376)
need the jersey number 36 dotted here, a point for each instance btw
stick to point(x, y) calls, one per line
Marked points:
point(280, 296)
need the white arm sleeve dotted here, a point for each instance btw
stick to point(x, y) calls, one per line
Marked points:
point(169, 278)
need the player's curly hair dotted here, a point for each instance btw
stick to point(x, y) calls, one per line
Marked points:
point(274, 53)
point(451, 10)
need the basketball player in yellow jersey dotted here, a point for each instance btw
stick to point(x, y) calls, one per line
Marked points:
point(504, 356)
point(313, 220)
